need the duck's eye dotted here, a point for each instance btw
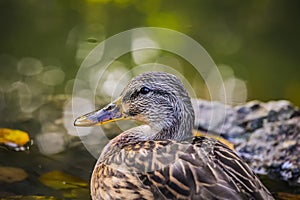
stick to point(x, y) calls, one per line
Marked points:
point(144, 90)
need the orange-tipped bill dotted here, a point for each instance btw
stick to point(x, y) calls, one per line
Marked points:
point(111, 112)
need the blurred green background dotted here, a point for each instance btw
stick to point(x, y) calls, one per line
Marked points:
point(43, 43)
point(258, 39)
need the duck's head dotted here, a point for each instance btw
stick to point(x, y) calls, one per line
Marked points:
point(154, 98)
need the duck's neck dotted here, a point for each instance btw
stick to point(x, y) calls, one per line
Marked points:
point(178, 126)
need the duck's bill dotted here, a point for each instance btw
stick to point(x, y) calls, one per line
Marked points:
point(111, 112)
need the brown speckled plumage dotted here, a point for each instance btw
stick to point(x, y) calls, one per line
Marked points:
point(161, 160)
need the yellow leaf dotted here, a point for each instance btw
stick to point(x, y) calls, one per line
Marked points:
point(13, 138)
point(76, 193)
point(12, 174)
point(220, 139)
point(80, 193)
point(61, 180)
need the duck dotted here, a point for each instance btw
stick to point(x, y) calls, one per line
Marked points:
point(161, 158)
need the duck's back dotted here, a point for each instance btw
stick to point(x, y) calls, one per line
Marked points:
point(201, 169)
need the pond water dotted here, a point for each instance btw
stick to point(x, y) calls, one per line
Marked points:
point(78, 162)
point(75, 161)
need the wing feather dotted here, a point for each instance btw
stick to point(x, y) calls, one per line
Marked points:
point(201, 169)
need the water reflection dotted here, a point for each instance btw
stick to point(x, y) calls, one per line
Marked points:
point(52, 76)
point(29, 66)
point(50, 143)
point(145, 50)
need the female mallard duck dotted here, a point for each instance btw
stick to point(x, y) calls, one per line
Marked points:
point(162, 159)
